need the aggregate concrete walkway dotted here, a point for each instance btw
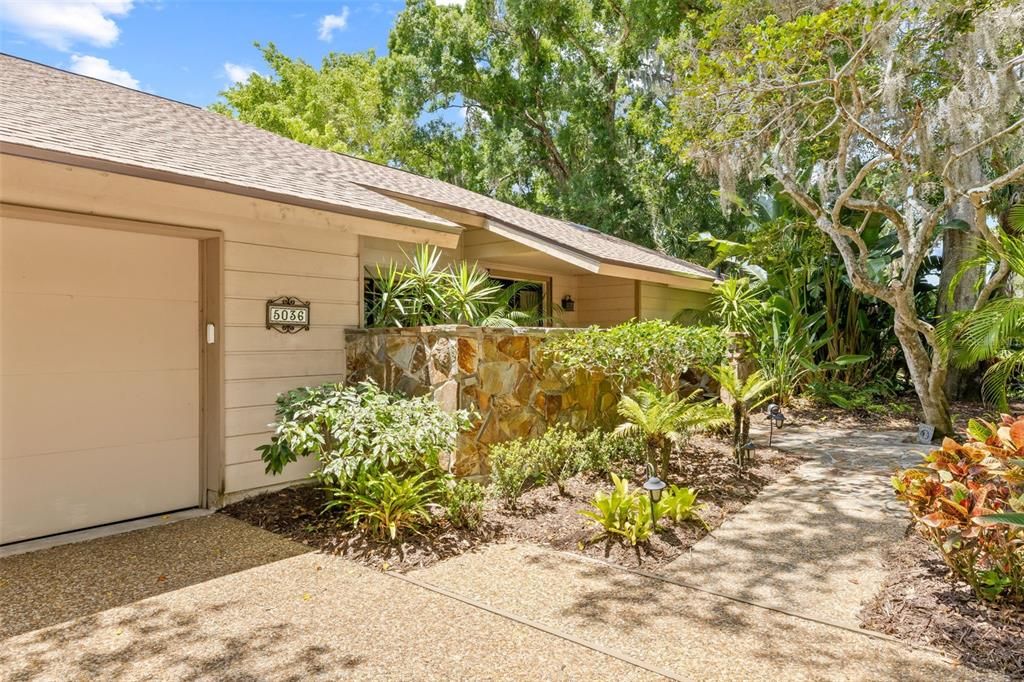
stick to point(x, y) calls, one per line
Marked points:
point(812, 541)
point(306, 616)
point(696, 636)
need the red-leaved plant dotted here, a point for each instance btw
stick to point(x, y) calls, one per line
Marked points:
point(968, 501)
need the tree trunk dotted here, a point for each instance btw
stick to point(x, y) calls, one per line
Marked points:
point(957, 247)
point(928, 378)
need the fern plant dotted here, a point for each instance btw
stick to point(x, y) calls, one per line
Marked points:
point(746, 395)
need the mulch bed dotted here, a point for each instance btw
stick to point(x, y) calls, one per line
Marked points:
point(919, 602)
point(903, 413)
point(542, 515)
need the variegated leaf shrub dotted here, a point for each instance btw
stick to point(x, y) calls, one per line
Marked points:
point(968, 501)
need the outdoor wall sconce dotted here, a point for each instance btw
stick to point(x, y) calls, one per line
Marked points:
point(776, 420)
point(568, 305)
point(653, 485)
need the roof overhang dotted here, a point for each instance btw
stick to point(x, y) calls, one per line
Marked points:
point(595, 265)
point(447, 233)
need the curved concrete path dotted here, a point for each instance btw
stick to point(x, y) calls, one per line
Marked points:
point(812, 541)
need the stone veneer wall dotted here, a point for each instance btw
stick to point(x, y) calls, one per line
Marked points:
point(498, 373)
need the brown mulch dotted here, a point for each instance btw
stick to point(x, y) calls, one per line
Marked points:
point(295, 513)
point(920, 602)
point(706, 464)
point(903, 413)
point(542, 515)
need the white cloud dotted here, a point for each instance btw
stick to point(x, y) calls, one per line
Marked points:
point(237, 73)
point(60, 23)
point(333, 22)
point(97, 67)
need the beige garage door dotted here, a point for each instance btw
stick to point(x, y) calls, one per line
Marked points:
point(99, 359)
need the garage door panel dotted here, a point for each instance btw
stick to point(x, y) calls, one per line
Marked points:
point(99, 376)
point(52, 493)
point(54, 334)
point(51, 416)
point(41, 257)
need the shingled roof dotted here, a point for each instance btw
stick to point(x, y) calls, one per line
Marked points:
point(47, 109)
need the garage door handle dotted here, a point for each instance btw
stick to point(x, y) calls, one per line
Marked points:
point(211, 333)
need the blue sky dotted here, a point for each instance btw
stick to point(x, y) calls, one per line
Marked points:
point(187, 50)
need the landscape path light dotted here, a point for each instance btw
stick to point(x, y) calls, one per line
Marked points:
point(653, 485)
point(776, 419)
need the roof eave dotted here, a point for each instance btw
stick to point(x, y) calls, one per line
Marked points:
point(144, 172)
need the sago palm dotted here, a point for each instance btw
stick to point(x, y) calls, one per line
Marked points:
point(663, 419)
point(747, 394)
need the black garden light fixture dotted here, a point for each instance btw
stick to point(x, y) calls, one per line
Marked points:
point(653, 485)
point(776, 419)
point(748, 452)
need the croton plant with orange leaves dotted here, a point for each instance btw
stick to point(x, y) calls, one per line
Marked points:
point(968, 500)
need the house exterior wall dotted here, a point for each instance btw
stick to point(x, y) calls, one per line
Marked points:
point(658, 301)
point(269, 250)
point(605, 301)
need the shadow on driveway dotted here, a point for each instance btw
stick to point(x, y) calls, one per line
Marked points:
point(50, 586)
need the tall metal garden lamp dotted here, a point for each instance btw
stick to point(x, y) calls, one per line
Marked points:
point(776, 419)
point(653, 485)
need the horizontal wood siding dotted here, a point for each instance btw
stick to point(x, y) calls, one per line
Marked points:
point(605, 301)
point(658, 301)
point(259, 363)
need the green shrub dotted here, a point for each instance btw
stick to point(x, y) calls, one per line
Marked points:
point(384, 504)
point(513, 466)
point(464, 504)
point(875, 397)
point(968, 501)
point(560, 455)
point(352, 428)
point(605, 449)
point(633, 352)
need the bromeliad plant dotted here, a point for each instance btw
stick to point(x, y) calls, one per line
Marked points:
point(626, 513)
point(968, 501)
point(622, 512)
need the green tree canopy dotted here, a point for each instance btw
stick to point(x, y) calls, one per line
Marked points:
point(562, 107)
point(872, 115)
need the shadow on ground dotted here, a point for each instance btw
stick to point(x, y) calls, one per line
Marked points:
point(51, 586)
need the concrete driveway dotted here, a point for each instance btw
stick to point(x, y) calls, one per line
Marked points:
point(214, 598)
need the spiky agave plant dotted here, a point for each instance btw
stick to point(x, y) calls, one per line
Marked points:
point(995, 331)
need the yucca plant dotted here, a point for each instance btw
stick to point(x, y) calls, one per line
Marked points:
point(746, 394)
point(423, 293)
point(995, 331)
point(663, 419)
